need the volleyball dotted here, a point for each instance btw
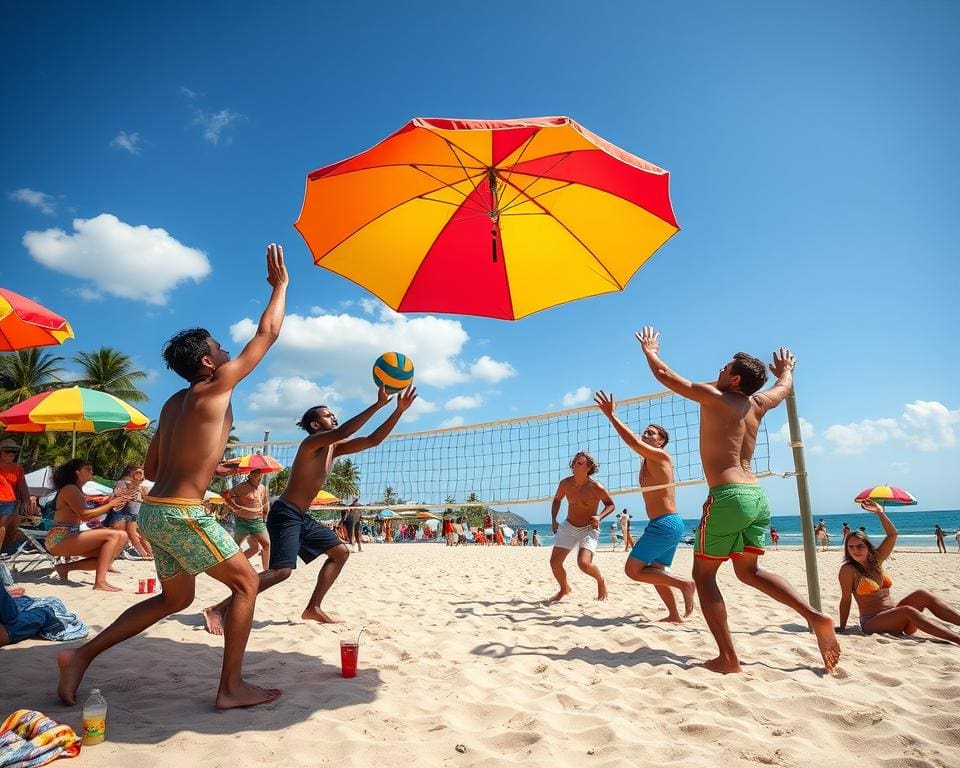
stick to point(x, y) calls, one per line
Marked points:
point(394, 371)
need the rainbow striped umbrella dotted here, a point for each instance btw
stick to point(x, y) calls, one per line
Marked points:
point(887, 496)
point(72, 409)
point(24, 324)
point(244, 465)
point(496, 218)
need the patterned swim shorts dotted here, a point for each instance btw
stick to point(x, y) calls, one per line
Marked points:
point(185, 537)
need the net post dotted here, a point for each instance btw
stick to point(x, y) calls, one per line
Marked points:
point(803, 497)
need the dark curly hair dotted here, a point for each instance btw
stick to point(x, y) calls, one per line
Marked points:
point(307, 417)
point(663, 434)
point(184, 351)
point(752, 372)
point(66, 473)
point(590, 460)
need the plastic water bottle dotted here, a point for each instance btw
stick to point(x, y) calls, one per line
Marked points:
point(94, 719)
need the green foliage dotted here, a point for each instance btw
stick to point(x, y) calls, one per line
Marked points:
point(278, 482)
point(108, 370)
point(26, 373)
point(343, 480)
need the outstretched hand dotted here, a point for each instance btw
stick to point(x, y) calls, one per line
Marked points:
point(605, 402)
point(869, 505)
point(383, 397)
point(649, 340)
point(783, 361)
point(276, 269)
point(405, 399)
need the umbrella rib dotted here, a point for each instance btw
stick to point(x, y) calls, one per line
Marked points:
point(570, 232)
point(563, 156)
point(533, 197)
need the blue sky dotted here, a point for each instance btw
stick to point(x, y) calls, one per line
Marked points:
point(814, 171)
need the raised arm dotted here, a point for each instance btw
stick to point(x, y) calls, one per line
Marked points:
point(705, 394)
point(846, 577)
point(781, 367)
point(226, 377)
point(73, 498)
point(886, 546)
point(404, 400)
point(342, 432)
point(608, 407)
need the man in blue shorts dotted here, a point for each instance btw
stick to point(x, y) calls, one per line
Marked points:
point(653, 552)
point(293, 533)
point(736, 515)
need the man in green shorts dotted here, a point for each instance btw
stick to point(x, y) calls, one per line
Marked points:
point(248, 500)
point(736, 514)
point(187, 540)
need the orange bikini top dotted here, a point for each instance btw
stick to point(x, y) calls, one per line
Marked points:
point(867, 586)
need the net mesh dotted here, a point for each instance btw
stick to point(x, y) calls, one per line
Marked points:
point(518, 461)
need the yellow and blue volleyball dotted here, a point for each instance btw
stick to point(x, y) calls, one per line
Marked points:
point(394, 371)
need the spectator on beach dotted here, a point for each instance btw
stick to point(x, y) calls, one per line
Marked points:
point(96, 548)
point(354, 524)
point(774, 537)
point(957, 537)
point(862, 577)
point(823, 538)
point(125, 518)
point(614, 538)
point(625, 533)
point(536, 538)
point(248, 500)
point(846, 531)
point(941, 543)
point(14, 494)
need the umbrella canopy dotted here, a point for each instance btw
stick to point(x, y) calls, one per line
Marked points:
point(322, 499)
point(497, 218)
point(24, 324)
point(387, 514)
point(213, 498)
point(244, 465)
point(40, 481)
point(887, 496)
point(425, 516)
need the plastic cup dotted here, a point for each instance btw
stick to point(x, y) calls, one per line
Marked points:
point(349, 651)
point(151, 585)
point(142, 590)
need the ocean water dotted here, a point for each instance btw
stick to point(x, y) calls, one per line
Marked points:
point(914, 529)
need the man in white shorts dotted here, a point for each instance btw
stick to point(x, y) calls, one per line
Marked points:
point(581, 529)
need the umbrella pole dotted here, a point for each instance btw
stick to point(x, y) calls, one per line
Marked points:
point(73, 448)
point(803, 496)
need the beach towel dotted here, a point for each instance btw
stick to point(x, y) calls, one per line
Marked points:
point(63, 624)
point(28, 739)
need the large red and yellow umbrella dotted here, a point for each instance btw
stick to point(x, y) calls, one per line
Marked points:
point(494, 218)
point(24, 324)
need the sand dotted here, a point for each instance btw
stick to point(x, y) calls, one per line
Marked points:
point(459, 649)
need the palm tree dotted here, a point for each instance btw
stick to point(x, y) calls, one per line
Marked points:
point(27, 373)
point(108, 370)
point(110, 452)
point(343, 480)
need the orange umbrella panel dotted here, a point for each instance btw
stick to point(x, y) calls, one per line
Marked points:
point(24, 324)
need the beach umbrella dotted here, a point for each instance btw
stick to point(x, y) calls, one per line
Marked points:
point(496, 218)
point(72, 409)
point(425, 516)
point(387, 514)
point(887, 496)
point(322, 499)
point(24, 324)
point(244, 465)
point(214, 498)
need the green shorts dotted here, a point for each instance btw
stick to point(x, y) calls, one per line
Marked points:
point(184, 536)
point(735, 520)
point(243, 527)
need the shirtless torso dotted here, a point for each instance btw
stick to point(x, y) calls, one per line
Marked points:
point(583, 501)
point(248, 500)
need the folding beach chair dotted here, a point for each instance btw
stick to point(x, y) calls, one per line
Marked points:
point(30, 552)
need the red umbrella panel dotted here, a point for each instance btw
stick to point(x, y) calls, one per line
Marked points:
point(244, 465)
point(24, 324)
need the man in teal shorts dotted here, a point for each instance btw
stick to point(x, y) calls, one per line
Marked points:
point(736, 513)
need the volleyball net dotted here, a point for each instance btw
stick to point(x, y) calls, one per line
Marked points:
point(521, 460)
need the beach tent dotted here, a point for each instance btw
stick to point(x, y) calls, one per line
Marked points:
point(40, 481)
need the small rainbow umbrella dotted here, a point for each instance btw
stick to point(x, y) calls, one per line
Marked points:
point(72, 409)
point(244, 465)
point(24, 324)
point(887, 496)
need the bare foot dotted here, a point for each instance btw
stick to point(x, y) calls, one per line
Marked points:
point(105, 586)
point(315, 614)
point(827, 640)
point(71, 673)
point(722, 666)
point(688, 603)
point(601, 589)
point(673, 618)
point(564, 591)
point(213, 618)
point(246, 696)
point(62, 570)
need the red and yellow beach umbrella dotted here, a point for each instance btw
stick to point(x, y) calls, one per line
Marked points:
point(244, 465)
point(497, 218)
point(24, 324)
point(887, 496)
point(323, 499)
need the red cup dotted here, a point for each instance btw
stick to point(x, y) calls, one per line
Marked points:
point(151, 585)
point(142, 589)
point(349, 650)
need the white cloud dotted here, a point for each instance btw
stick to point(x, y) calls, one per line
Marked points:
point(40, 200)
point(369, 306)
point(418, 409)
point(488, 369)
point(134, 262)
point(782, 435)
point(131, 142)
point(213, 124)
point(187, 92)
point(576, 398)
point(927, 426)
point(453, 421)
point(463, 402)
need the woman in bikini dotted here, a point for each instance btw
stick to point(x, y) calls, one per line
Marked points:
point(98, 548)
point(862, 577)
point(125, 518)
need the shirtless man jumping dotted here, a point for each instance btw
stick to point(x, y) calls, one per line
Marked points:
point(653, 553)
point(248, 500)
point(581, 529)
point(736, 514)
point(187, 540)
point(292, 531)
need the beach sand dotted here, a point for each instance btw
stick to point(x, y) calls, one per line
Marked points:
point(459, 649)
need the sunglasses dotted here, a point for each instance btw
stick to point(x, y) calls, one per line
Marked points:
point(856, 546)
